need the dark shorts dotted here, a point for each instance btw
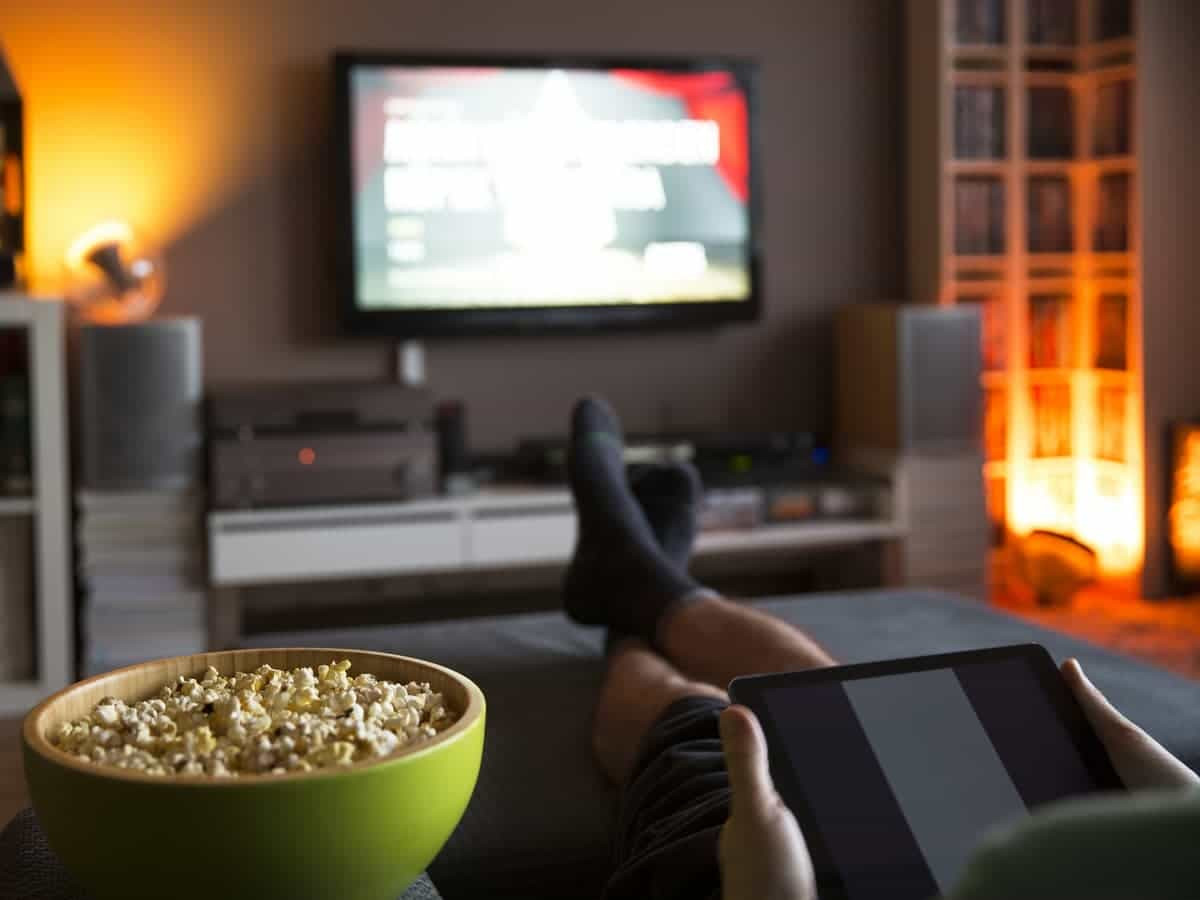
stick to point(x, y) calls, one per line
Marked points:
point(673, 808)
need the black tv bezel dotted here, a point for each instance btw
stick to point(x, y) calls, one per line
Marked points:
point(406, 323)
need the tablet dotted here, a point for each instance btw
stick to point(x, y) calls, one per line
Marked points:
point(896, 769)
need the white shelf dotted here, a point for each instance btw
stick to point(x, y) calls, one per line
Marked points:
point(799, 536)
point(52, 602)
point(17, 697)
point(508, 529)
point(17, 506)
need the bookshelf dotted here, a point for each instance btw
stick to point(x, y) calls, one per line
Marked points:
point(39, 515)
point(1023, 198)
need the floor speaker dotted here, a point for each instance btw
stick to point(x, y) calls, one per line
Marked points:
point(908, 378)
point(909, 407)
point(140, 398)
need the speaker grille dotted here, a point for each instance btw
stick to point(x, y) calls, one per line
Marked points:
point(140, 399)
point(940, 369)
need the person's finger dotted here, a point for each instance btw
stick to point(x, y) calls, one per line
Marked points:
point(746, 759)
point(1141, 761)
point(1102, 715)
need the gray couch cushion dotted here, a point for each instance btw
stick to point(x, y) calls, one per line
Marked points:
point(538, 825)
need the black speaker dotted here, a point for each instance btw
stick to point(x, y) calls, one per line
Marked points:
point(140, 396)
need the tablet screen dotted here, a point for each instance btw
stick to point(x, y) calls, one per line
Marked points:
point(896, 777)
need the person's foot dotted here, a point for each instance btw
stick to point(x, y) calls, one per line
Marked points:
point(670, 495)
point(619, 576)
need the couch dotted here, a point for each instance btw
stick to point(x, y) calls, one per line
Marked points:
point(538, 824)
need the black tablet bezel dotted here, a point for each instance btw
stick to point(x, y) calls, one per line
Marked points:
point(748, 691)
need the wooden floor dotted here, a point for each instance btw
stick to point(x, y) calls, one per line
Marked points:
point(1166, 633)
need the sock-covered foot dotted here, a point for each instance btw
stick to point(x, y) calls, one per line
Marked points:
point(619, 575)
point(669, 495)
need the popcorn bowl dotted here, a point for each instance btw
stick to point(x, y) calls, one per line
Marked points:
point(362, 831)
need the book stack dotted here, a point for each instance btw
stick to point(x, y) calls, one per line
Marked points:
point(1111, 234)
point(978, 122)
point(1052, 22)
point(1050, 226)
point(980, 22)
point(1051, 112)
point(979, 215)
point(1114, 19)
point(141, 571)
point(1114, 105)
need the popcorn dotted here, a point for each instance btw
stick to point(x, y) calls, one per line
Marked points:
point(268, 721)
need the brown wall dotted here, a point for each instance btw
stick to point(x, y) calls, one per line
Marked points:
point(1169, 129)
point(205, 121)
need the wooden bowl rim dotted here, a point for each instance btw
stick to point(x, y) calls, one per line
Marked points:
point(31, 732)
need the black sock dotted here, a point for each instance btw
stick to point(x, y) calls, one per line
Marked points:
point(670, 495)
point(619, 575)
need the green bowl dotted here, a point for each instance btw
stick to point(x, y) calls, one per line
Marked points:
point(362, 832)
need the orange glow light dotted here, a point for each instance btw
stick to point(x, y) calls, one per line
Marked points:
point(120, 119)
point(104, 233)
point(307, 456)
point(1184, 516)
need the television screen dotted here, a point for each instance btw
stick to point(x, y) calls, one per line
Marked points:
point(503, 195)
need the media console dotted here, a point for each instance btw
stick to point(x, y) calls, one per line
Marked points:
point(494, 529)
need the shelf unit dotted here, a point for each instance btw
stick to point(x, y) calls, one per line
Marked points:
point(47, 508)
point(1025, 149)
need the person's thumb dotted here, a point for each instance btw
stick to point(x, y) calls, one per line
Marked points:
point(746, 759)
point(1140, 760)
point(1102, 715)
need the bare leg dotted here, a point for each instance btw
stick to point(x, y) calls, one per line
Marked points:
point(715, 640)
point(638, 686)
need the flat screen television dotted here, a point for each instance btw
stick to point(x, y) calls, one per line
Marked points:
point(491, 194)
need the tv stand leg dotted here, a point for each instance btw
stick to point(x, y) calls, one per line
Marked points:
point(224, 618)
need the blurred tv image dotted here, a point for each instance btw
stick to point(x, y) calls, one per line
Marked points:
point(509, 187)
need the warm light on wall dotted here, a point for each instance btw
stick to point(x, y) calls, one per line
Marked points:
point(122, 117)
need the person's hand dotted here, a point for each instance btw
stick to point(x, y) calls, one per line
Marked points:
point(1139, 759)
point(763, 855)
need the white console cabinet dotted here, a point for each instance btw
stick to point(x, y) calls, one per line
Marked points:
point(494, 529)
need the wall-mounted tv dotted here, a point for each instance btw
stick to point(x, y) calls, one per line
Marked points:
point(493, 194)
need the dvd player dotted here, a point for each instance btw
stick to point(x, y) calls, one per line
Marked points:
point(324, 443)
